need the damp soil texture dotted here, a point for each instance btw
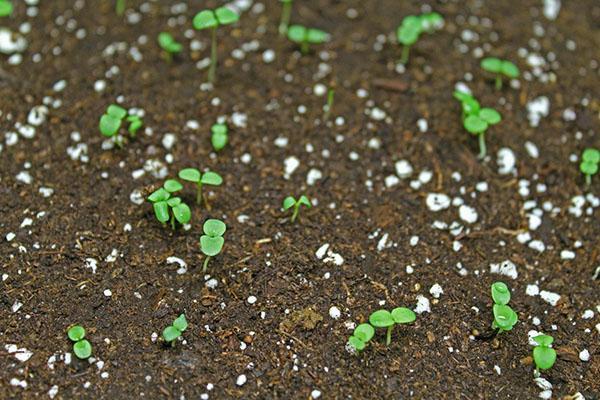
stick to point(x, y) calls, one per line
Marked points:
point(403, 212)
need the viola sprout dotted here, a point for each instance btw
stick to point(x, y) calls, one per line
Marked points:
point(361, 336)
point(212, 241)
point(386, 319)
point(120, 7)
point(169, 45)
point(590, 158)
point(290, 202)
point(477, 120)
point(172, 332)
point(111, 121)
point(81, 347)
point(286, 12)
point(500, 67)
point(212, 19)
point(162, 203)
point(544, 355)
point(411, 28)
point(6, 8)
point(504, 316)
point(219, 137)
point(329, 106)
point(195, 176)
point(306, 36)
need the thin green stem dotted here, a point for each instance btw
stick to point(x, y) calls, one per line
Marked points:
point(285, 18)
point(482, 148)
point(173, 221)
point(330, 98)
point(295, 214)
point(120, 7)
point(199, 195)
point(405, 54)
point(388, 336)
point(588, 180)
point(304, 47)
point(213, 56)
point(205, 265)
point(498, 82)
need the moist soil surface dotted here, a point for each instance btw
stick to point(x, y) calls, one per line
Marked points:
point(75, 248)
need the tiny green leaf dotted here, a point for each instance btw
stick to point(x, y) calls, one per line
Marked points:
point(543, 340)
point(76, 333)
point(180, 323)
point(296, 33)
point(364, 332)
point(205, 19)
point(316, 36)
point(212, 178)
point(226, 16)
point(116, 111)
point(475, 125)
point(6, 8)
point(182, 213)
point(161, 211)
point(211, 246)
point(219, 139)
point(214, 227)
point(170, 333)
point(159, 195)
point(492, 64)
point(190, 175)
point(504, 317)
point(171, 186)
point(403, 315)
point(168, 43)
point(174, 201)
point(490, 115)
point(288, 202)
point(461, 96)
point(381, 319)
point(470, 106)
point(500, 293)
point(509, 69)
point(304, 200)
point(355, 342)
point(591, 155)
point(544, 357)
point(82, 349)
point(109, 125)
point(588, 168)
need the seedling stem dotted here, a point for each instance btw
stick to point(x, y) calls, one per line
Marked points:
point(498, 82)
point(205, 265)
point(213, 56)
point(405, 54)
point(330, 98)
point(388, 336)
point(482, 148)
point(120, 7)
point(285, 17)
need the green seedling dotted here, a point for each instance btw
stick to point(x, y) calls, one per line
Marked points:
point(504, 316)
point(544, 355)
point(169, 45)
point(386, 319)
point(499, 68)
point(6, 8)
point(81, 347)
point(476, 120)
point(219, 136)
point(286, 12)
point(361, 336)
point(590, 158)
point(212, 241)
point(173, 332)
point(306, 36)
point(411, 28)
point(290, 202)
point(195, 176)
point(111, 121)
point(329, 106)
point(120, 7)
point(212, 19)
point(167, 207)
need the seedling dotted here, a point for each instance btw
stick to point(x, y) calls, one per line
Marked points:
point(504, 316)
point(290, 202)
point(81, 347)
point(411, 28)
point(500, 67)
point(286, 12)
point(212, 241)
point(329, 106)
point(172, 332)
point(170, 208)
point(212, 19)
point(306, 36)
point(6, 8)
point(544, 355)
point(120, 7)
point(219, 136)
point(386, 319)
point(169, 45)
point(361, 336)
point(477, 120)
point(590, 158)
point(195, 176)
point(111, 121)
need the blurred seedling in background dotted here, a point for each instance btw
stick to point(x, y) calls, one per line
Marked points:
point(170, 208)
point(306, 36)
point(219, 136)
point(590, 158)
point(170, 46)
point(81, 346)
point(504, 316)
point(199, 178)
point(290, 202)
point(544, 356)
point(386, 319)
point(411, 28)
point(112, 120)
point(286, 12)
point(120, 7)
point(212, 19)
point(6, 8)
point(173, 332)
point(500, 68)
point(361, 336)
point(477, 120)
point(329, 105)
point(211, 243)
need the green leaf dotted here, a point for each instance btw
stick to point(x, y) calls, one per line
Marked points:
point(172, 186)
point(543, 340)
point(355, 342)
point(591, 155)
point(475, 125)
point(544, 357)
point(174, 201)
point(211, 246)
point(462, 96)
point(205, 19)
point(165, 39)
point(316, 36)
point(190, 175)
point(159, 195)
point(6, 8)
point(492, 64)
point(219, 140)
point(588, 168)
point(304, 200)
point(109, 125)
point(82, 349)
point(214, 227)
point(289, 202)
point(116, 111)
point(161, 211)
point(219, 128)
point(470, 106)
point(500, 293)
point(431, 21)
point(509, 69)
point(180, 323)
point(490, 115)
point(403, 315)
point(407, 35)
point(226, 16)
point(182, 213)
point(76, 333)
point(364, 332)
point(134, 126)
point(297, 33)
point(212, 178)
point(170, 333)
point(504, 317)
point(381, 319)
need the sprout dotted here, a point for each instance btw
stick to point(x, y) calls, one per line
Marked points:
point(172, 332)
point(500, 293)
point(286, 11)
point(162, 202)
point(362, 334)
point(329, 106)
point(6, 8)
point(500, 67)
point(477, 120)
point(290, 202)
point(504, 316)
point(411, 28)
point(120, 7)
point(170, 46)
point(306, 36)
point(544, 356)
point(590, 158)
point(195, 176)
point(213, 19)
point(219, 137)
point(385, 319)
point(81, 347)
point(111, 121)
point(212, 241)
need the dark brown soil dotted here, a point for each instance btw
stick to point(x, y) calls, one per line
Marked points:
point(296, 347)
